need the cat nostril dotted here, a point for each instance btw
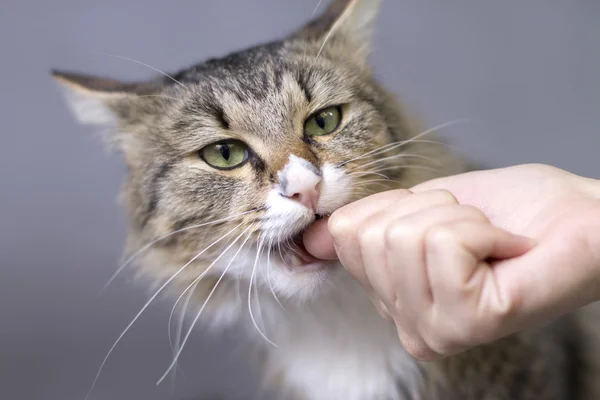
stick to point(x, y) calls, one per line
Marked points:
point(296, 196)
point(307, 198)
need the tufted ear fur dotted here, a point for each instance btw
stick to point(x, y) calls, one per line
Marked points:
point(126, 110)
point(97, 101)
point(345, 22)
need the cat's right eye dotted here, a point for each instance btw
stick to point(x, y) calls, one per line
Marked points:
point(225, 155)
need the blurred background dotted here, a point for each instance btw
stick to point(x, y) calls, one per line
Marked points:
point(526, 73)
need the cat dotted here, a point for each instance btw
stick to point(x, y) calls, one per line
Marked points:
point(230, 160)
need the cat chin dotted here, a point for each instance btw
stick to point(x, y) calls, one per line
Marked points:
point(304, 284)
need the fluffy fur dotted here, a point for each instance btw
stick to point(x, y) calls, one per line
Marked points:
point(330, 343)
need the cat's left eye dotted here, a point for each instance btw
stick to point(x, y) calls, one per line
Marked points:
point(225, 155)
point(323, 122)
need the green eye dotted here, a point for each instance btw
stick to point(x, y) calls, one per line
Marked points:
point(225, 155)
point(323, 122)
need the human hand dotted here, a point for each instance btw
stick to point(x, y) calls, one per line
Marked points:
point(446, 262)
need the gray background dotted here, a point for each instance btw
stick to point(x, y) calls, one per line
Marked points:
point(525, 72)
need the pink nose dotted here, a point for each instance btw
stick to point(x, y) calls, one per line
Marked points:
point(300, 181)
point(308, 198)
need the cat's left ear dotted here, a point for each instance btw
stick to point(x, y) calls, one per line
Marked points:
point(347, 24)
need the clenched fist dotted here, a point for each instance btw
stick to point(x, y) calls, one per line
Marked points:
point(465, 260)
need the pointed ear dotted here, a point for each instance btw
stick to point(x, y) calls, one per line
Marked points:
point(350, 22)
point(99, 101)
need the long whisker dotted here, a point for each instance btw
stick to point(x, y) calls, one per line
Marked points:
point(189, 332)
point(153, 242)
point(192, 286)
point(269, 276)
point(361, 173)
point(315, 10)
point(409, 166)
point(281, 255)
point(260, 316)
point(148, 66)
point(414, 139)
point(250, 296)
point(394, 157)
point(180, 322)
point(379, 181)
point(137, 316)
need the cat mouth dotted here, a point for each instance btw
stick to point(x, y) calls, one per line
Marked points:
point(294, 255)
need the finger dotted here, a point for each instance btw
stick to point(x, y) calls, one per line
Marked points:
point(346, 224)
point(319, 242)
point(455, 248)
point(405, 251)
point(460, 279)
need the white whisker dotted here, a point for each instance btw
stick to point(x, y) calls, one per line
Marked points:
point(379, 181)
point(424, 167)
point(414, 139)
point(395, 156)
point(148, 66)
point(137, 316)
point(153, 242)
point(250, 296)
point(281, 255)
point(180, 322)
point(192, 286)
point(269, 275)
point(315, 10)
point(189, 332)
point(361, 173)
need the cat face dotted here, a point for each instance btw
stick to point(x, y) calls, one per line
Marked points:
point(230, 160)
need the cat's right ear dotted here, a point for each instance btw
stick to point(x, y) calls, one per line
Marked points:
point(346, 23)
point(101, 101)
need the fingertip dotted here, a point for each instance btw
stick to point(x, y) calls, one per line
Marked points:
point(319, 242)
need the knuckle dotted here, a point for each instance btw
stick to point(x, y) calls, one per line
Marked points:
point(369, 234)
point(474, 213)
point(401, 193)
point(508, 306)
point(340, 224)
point(443, 196)
point(397, 234)
point(439, 236)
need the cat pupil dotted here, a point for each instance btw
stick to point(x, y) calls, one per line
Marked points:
point(320, 120)
point(225, 151)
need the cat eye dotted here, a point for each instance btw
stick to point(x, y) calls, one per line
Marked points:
point(323, 122)
point(225, 155)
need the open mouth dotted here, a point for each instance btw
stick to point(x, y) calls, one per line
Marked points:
point(294, 255)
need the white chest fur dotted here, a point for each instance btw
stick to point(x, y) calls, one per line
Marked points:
point(337, 347)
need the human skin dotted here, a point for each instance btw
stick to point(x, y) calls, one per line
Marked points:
point(461, 261)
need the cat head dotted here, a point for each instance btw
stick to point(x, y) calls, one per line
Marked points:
point(231, 159)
